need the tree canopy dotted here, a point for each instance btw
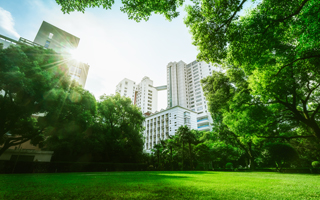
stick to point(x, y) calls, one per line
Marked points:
point(31, 80)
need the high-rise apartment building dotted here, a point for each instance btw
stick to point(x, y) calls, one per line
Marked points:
point(126, 88)
point(176, 84)
point(184, 89)
point(144, 95)
point(55, 38)
point(65, 43)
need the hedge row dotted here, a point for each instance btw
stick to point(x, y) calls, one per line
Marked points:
point(285, 170)
point(42, 167)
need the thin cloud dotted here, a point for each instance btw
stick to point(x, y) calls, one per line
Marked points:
point(7, 23)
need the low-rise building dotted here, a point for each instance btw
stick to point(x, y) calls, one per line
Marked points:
point(160, 125)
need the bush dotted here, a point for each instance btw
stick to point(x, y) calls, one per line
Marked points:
point(229, 165)
point(315, 164)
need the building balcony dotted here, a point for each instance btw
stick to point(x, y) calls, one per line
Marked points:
point(204, 126)
point(202, 120)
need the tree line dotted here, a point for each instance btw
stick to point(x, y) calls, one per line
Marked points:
point(39, 102)
point(266, 99)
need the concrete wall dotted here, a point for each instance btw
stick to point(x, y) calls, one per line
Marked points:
point(39, 156)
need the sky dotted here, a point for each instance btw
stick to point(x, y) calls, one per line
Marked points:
point(114, 46)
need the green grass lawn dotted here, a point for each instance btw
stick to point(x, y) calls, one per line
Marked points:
point(160, 185)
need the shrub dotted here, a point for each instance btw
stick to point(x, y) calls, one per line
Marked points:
point(315, 164)
point(229, 165)
point(281, 154)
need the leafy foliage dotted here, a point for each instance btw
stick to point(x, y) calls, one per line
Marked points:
point(118, 130)
point(32, 81)
point(315, 164)
point(136, 10)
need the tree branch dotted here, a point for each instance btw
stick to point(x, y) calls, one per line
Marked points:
point(315, 56)
point(315, 112)
point(288, 138)
point(310, 91)
point(285, 18)
point(228, 21)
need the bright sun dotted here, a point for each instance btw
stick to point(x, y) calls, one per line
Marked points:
point(75, 54)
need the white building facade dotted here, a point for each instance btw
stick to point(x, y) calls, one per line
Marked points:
point(160, 125)
point(126, 88)
point(144, 95)
point(184, 89)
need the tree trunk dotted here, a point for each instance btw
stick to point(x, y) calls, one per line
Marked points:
point(281, 165)
point(4, 148)
point(192, 167)
point(171, 160)
point(251, 157)
point(158, 161)
point(182, 153)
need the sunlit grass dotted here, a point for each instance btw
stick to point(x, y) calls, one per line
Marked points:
point(160, 185)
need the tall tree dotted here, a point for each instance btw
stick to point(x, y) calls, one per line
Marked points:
point(275, 44)
point(183, 132)
point(31, 78)
point(118, 130)
point(170, 143)
point(229, 101)
point(69, 125)
point(157, 149)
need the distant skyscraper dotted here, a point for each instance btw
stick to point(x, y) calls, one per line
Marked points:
point(65, 43)
point(176, 84)
point(126, 88)
point(184, 89)
point(144, 95)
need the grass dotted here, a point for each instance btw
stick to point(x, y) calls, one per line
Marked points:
point(160, 185)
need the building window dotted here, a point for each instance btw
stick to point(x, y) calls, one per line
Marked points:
point(50, 35)
point(47, 44)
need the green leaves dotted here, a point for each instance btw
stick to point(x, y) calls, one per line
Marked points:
point(24, 82)
point(135, 9)
point(68, 6)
